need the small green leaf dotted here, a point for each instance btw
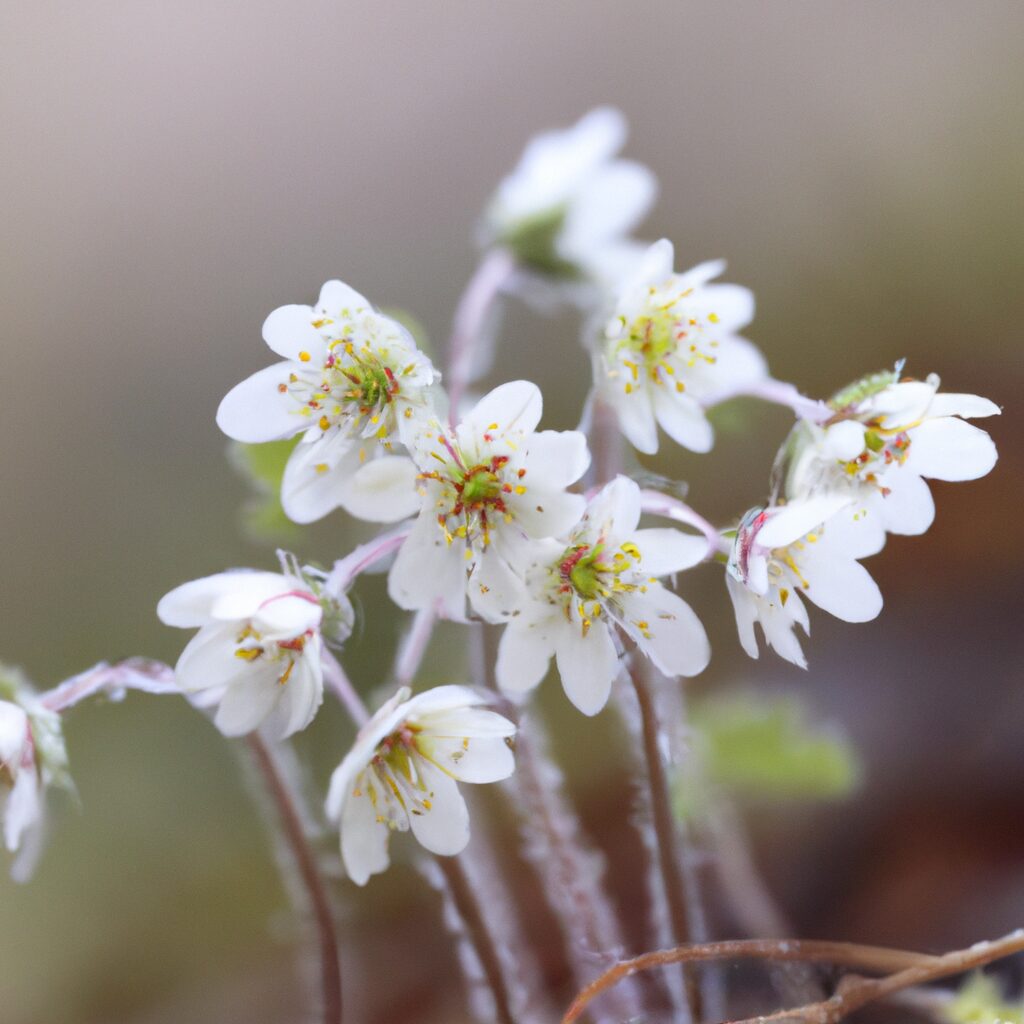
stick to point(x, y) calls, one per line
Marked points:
point(533, 241)
point(981, 1001)
point(263, 465)
point(769, 748)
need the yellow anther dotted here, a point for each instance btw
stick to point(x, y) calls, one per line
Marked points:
point(713, 317)
point(321, 467)
point(324, 423)
point(305, 357)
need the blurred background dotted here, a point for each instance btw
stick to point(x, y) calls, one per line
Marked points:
point(174, 171)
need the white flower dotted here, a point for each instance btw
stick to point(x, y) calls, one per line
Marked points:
point(886, 436)
point(488, 486)
point(568, 206)
point(353, 383)
point(604, 576)
point(671, 346)
point(257, 652)
point(807, 548)
point(402, 772)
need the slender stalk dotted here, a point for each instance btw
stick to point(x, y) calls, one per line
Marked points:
point(305, 861)
point(658, 504)
point(470, 320)
point(346, 569)
point(131, 674)
point(414, 646)
point(337, 679)
point(778, 393)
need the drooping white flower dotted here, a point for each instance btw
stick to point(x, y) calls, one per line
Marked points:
point(353, 383)
point(257, 653)
point(489, 486)
point(32, 759)
point(567, 208)
point(603, 577)
point(671, 346)
point(808, 548)
point(403, 770)
point(886, 437)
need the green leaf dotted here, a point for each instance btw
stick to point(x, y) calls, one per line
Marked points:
point(981, 1001)
point(262, 465)
point(768, 747)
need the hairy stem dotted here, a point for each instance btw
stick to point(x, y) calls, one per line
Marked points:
point(309, 873)
point(413, 647)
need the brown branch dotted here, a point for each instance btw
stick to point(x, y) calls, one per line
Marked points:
point(902, 968)
point(305, 861)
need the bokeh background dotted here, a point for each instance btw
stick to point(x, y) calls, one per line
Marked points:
point(174, 171)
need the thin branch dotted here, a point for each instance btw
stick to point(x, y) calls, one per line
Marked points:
point(413, 647)
point(777, 392)
point(305, 861)
point(658, 504)
point(337, 679)
point(346, 569)
point(113, 680)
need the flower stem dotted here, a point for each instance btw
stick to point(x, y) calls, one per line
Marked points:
point(309, 872)
point(659, 504)
point(337, 679)
point(346, 569)
point(131, 674)
point(778, 392)
point(414, 646)
point(469, 322)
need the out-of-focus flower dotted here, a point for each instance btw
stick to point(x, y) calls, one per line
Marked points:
point(806, 549)
point(489, 486)
point(403, 770)
point(887, 435)
point(670, 346)
point(606, 575)
point(567, 208)
point(32, 758)
point(353, 383)
point(257, 653)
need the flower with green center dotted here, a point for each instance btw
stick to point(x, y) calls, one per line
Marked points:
point(489, 488)
point(403, 770)
point(355, 385)
point(886, 436)
point(670, 347)
point(606, 579)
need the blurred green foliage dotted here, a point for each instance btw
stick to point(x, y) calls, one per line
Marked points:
point(981, 1001)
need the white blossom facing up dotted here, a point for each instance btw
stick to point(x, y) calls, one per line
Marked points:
point(354, 384)
point(569, 205)
point(402, 773)
point(887, 436)
point(489, 486)
point(809, 549)
point(671, 346)
point(604, 577)
point(257, 653)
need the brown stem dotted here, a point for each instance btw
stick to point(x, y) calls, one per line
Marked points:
point(902, 967)
point(305, 861)
point(476, 927)
point(665, 826)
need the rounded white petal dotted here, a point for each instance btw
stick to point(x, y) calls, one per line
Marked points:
point(950, 449)
point(318, 476)
point(614, 510)
point(23, 809)
point(304, 693)
point(543, 514)
point(908, 508)
point(635, 414)
point(945, 404)
point(844, 441)
point(337, 299)
point(288, 614)
point(744, 605)
point(665, 550)
point(899, 405)
point(840, 586)
point(611, 203)
point(667, 630)
point(788, 523)
point(556, 459)
point(13, 734)
point(495, 591)
point(429, 572)
point(587, 664)
point(248, 592)
point(194, 604)
point(384, 490)
point(364, 839)
point(731, 304)
point(524, 654)
point(289, 331)
point(683, 420)
point(475, 759)
point(444, 829)
point(255, 410)
point(246, 703)
point(512, 407)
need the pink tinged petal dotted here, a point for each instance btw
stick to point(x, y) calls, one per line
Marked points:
point(336, 296)
point(247, 703)
point(475, 759)
point(788, 523)
point(524, 654)
point(384, 490)
point(667, 630)
point(287, 615)
point(318, 476)
point(950, 449)
point(23, 809)
point(289, 331)
point(430, 573)
point(840, 586)
point(683, 420)
point(635, 414)
point(587, 664)
point(495, 591)
point(13, 734)
point(444, 829)
point(249, 591)
point(256, 410)
point(364, 839)
point(945, 404)
point(666, 551)
point(515, 406)
point(555, 459)
point(908, 508)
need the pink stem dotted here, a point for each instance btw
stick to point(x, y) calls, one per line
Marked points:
point(414, 646)
point(658, 504)
point(361, 558)
point(337, 679)
point(779, 393)
point(130, 674)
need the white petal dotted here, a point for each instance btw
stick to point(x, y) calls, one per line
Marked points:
point(844, 441)
point(614, 510)
point(732, 304)
point(318, 476)
point(23, 807)
point(635, 414)
point(384, 490)
point(683, 420)
point(302, 697)
point(337, 299)
point(946, 404)
point(524, 654)
point(675, 639)
point(900, 405)
point(476, 759)
point(249, 591)
point(287, 615)
point(789, 523)
point(610, 203)
point(697, 277)
point(515, 406)
point(543, 514)
point(444, 829)
point(950, 449)
point(247, 703)
point(587, 664)
point(908, 508)
point(364, 839)
point(255, 410)
point(289, 331)
point(840, 586)
point(495, 591)
point(744, 605)
point(655, 267)
point(208, 660)
point(428, 572)
point(556, 459)
point(13, 734)
point(666, 551)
